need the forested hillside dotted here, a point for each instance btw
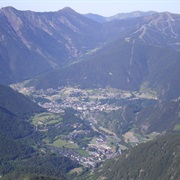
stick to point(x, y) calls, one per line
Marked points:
point(19, 154)
point(16, 103)
point(158, 159)
point(140, 117)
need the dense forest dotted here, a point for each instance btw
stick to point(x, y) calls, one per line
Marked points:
point(19, 156)
point(158, 159)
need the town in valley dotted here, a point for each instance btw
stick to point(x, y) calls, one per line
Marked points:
point(83, 139)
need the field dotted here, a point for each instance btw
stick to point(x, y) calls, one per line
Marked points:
point(46, 118)
point(146, 92)
point(76, 170)
point(106, 131)
point(82, 152)
point(62, 143)
point(177, 127)
point(130, 137)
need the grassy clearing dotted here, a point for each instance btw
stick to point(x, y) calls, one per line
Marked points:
point(153, 135)
point(177, 127)
point(93, 141)
point(82, 152)
point(48, 118)
point(113, 140)
point(147, 92)
point(54, 121)
point(46, 140)
point(106, 131)
point(140, 138)
point(62, 143)
point(129, 137)
point(122, 147)
point(76, 170)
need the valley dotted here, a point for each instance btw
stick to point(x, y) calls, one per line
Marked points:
point(89, 97)
point(82, 137)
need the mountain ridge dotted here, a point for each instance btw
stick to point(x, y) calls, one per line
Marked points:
point(66, 34)
point(119, 16)
point(76, 42)
point(122, 65)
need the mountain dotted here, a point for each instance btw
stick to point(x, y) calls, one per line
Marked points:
point(96, 17)
point(158, 159)
point(119, 16)
point(33, 43)
point(133, 14)
point(160, 29)
point(122, 65)
point(123, 53)
point(137, 51)
point(157, 29)
point(140, 116)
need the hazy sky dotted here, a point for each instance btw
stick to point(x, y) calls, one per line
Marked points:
point(101, 7)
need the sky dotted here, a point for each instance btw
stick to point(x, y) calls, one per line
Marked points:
point(102, 7)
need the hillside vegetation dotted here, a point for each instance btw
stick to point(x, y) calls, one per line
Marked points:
point(19, 154)
point(158, 159)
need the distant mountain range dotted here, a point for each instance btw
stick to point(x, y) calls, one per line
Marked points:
point(119, 16)
point(71, 49)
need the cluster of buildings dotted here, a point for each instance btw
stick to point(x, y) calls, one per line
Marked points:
point(85, 102)
point(80, 100)
point(98, 152)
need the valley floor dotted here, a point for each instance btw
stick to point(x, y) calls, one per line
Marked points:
point(99, 143)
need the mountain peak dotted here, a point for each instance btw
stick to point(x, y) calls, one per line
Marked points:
point(67, 10)
point(8, 8)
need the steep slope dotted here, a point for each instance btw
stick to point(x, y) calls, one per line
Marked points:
point(141, 53)
point(33, 43)
point(19, 142)
point(160, 29)
point(160, 118)
point(158, 159)
point(14, 111)
point(125, 66)
point(16, 103)
point(129, 58)
point(133, 116)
